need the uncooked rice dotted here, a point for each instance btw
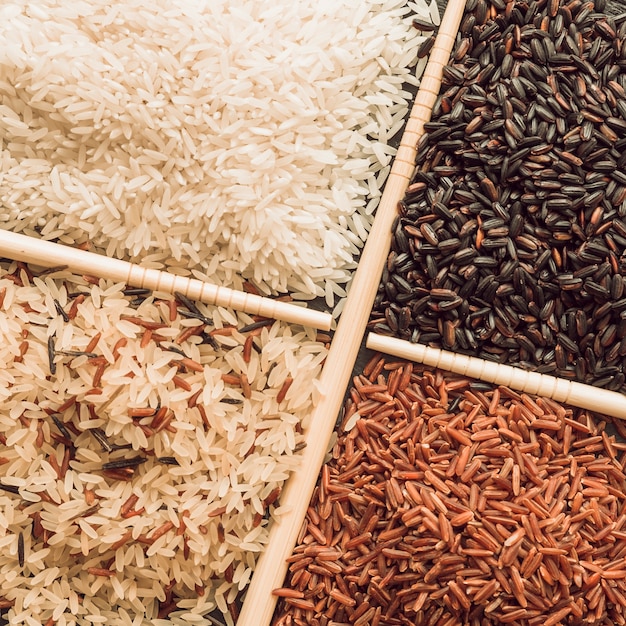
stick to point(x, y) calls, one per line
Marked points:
point(229, 138)
point(452, 502)
point(225, 449)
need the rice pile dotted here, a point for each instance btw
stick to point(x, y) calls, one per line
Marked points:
point(235, 138)
point(208, 418)
point(450, 502)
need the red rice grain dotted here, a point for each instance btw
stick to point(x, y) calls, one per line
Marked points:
point(497, 509)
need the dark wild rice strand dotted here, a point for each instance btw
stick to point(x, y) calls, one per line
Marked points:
point(20, 549)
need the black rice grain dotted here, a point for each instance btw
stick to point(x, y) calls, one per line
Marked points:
point(517, 208)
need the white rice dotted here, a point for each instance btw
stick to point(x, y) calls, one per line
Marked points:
point(230, 138)
point(226, 469)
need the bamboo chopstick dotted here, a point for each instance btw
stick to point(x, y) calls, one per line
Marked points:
point(48, 254)
point(559, 389)
point(270, 572)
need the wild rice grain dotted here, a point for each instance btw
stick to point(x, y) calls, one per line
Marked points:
point(20, 549)
point(163, 482)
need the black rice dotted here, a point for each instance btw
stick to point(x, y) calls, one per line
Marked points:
point(517, 209)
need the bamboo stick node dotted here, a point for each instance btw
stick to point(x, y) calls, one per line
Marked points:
point(566, 391)
point(49, 254)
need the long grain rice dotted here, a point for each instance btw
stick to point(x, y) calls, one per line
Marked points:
point(176, 538)
point(228, 138)
point(450, 501)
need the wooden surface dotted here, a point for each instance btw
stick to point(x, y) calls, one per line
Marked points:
point(271, 569)
point(48, 254)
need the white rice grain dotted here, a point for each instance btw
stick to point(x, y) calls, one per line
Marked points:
point(181, 132)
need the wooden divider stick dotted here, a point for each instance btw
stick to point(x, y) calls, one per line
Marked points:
point(559, 389)
point(49, 254)
point(271, 569)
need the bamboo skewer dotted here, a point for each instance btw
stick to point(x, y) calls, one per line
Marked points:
point(559, 389)
point(48, 254)
point(271, 569)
